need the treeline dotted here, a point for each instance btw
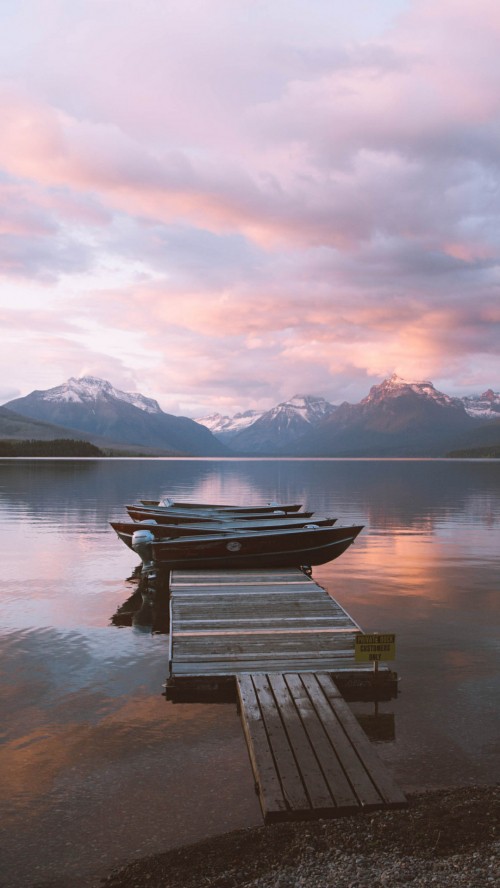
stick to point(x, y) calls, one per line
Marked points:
point(57, 447)
point(492, 452)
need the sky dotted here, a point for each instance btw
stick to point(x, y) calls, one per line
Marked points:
point(224, 203)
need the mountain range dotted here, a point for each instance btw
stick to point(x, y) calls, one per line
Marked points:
point(276, 430)
point(397, 418)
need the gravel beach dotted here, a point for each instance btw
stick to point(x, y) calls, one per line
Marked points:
point(443, 838)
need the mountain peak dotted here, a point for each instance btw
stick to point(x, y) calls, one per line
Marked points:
point(395, 387)
point(397, 381)
point(92, 388)
point(278, 429)
point(225, 427)
point(305, 408)
point(93, 406)
point(485, 406)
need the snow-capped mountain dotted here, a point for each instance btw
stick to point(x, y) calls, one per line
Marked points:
point(397, 418)
point(226, 427)
point(280, 428)
point(88, 389)
point(485, 406)
point(396, 386)
point(95, 407)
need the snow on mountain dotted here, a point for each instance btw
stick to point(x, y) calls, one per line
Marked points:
point(91, 388)
point(398, 417)
point(307, 408)
point(485, 406)
point(282, 426)
point(227, 426)
point(95, 407)
point(395, 387)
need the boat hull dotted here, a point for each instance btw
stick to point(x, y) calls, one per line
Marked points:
point(222, 507)
point(172, 516)
point(126, 529)
point(286, 548)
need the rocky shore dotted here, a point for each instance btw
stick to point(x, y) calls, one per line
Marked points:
point(444, 838)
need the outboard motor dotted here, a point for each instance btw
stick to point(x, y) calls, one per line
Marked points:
point(141, 543)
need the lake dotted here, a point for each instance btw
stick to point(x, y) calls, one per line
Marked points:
point(98, 768)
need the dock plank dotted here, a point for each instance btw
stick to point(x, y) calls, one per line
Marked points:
point(279, 747)
point(307, 765)
point(314, 769)
point(341, 790)
point(386, 786)
point(271, 797)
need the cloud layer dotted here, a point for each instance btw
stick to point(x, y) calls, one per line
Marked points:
point(281, 198)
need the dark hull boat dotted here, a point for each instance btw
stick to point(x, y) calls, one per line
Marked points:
point(267, 507)
point(126, 529)
point(271, 548)
point(179, 516)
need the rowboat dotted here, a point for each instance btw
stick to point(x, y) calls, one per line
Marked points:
point(284, 547)
point(139, 512)
point(126, 529)
point(222, 507)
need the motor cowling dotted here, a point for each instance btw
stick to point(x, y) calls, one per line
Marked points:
point(141, 544)
point(141, 537)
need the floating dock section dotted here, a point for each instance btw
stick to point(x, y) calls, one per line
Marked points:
point(278, 640)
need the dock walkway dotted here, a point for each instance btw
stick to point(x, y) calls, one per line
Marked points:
point(228, 622)
point(280, 637)
point(309, 755)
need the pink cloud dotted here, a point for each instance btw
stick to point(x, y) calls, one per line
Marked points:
point(263, 193)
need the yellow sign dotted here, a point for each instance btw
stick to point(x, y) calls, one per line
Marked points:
point(375, 648)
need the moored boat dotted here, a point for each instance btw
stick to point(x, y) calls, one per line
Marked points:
point(126, 529)
point(178, 516)
point(284, 547)
point(222, 507)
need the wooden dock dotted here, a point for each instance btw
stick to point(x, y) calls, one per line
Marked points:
point(228, 622)
point(309, 755)
point(279, 638)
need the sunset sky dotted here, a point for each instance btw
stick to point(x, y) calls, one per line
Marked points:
point(222, 203)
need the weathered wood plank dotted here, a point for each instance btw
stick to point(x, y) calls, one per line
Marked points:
point(307, 763)
point(242, 591)
point(289, 732)
point(272, 644)
point(341, 790)
point(366, 792)
point(382, 779)
point(271, 797)
point(279, 607)
point(265, 665)
point(291, 782)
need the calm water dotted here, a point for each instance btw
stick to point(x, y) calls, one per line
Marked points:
point(97, 768)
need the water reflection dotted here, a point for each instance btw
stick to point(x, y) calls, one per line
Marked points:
point(89, 742)
point(147, 607)
point(386, 494)
point(380, 727)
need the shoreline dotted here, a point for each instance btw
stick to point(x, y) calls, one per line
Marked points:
point(446, 837)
